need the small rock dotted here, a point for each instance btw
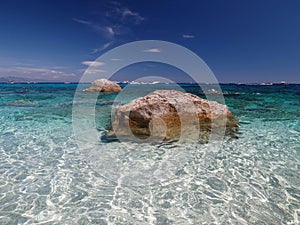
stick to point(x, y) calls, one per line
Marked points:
point(104, 85)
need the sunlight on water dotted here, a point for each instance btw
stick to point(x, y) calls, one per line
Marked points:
point(45, 179)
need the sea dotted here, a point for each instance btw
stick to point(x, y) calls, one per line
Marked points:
point(47, 174)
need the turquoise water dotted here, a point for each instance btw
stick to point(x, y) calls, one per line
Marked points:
point(45, 178)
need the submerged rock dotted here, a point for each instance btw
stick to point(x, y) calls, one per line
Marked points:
point(104, 85)
point(170, 115)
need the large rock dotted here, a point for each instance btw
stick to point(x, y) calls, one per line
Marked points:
point(171, 115)
point(104, 85)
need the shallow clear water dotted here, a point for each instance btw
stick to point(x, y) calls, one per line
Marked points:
point(46, 179)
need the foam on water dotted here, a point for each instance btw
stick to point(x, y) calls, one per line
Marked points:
point(45, 178)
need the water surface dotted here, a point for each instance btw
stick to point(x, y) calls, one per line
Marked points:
point(46, 179)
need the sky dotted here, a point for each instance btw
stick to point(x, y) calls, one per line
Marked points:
point(241, 41)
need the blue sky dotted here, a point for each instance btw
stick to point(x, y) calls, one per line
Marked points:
point(241, 41)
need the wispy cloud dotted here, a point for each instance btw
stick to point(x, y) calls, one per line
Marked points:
point(33, 70)
point(114, 23)
point(94, 71)
point(5, 62)
point(110, 31)
point(154, 50)
point(35, 73)
point(121, 13)
point(104, 31)
point(188, 36)
point(128, 15)
point(116, 59)
point(92, 63)
point(82, 21)
point(102, 48)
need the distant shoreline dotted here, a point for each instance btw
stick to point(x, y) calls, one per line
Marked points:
point(66, 83)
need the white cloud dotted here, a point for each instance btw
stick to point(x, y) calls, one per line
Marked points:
point(92, 63)
point(152, 50)
point(188, 36)
point(93, 71)
point(116, 59)
point(110, 31)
